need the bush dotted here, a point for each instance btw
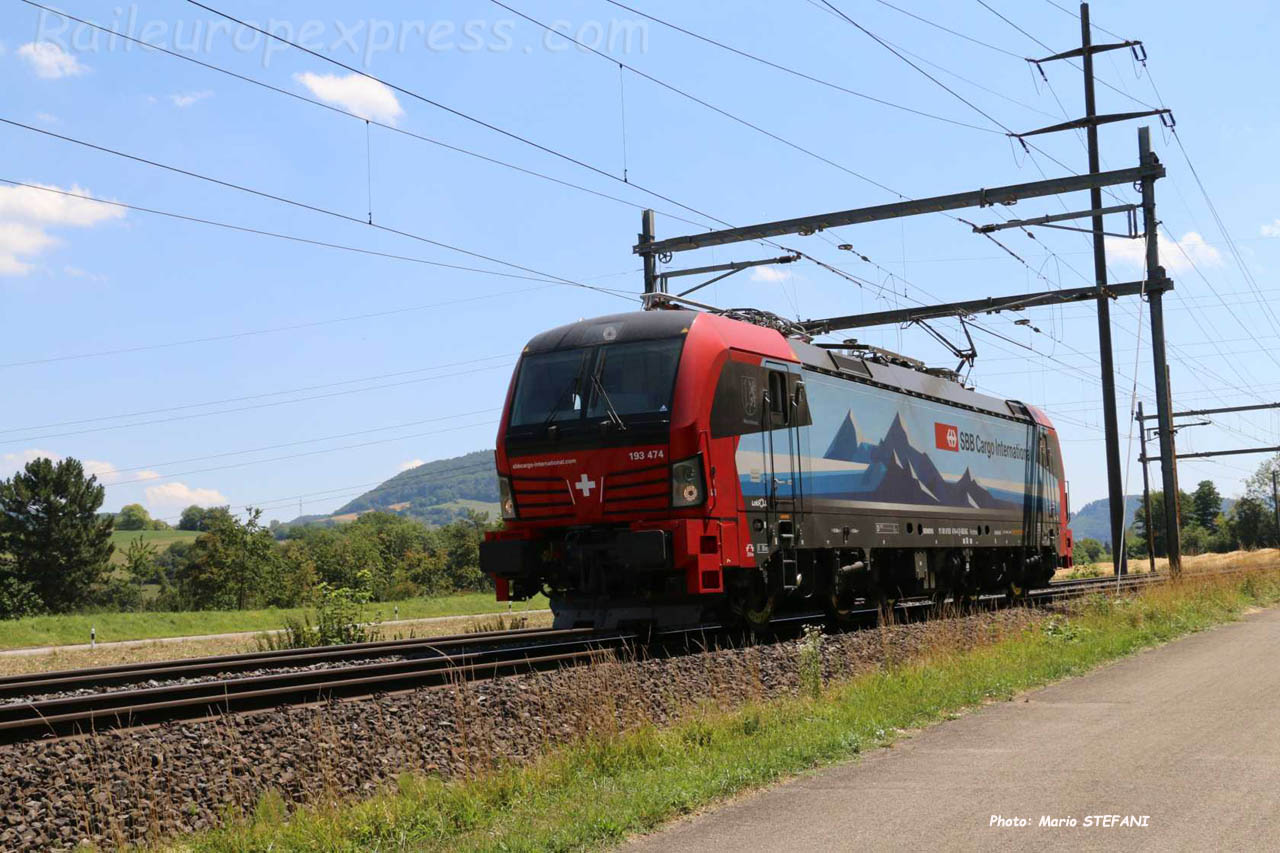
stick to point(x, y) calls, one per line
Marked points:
point(337, 623)
point(17, 597)
point(118, 594)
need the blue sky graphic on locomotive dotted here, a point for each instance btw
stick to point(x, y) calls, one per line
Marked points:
point(870, 445)
point(195, 363)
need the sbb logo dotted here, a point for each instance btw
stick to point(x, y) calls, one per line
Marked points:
point(946, 437)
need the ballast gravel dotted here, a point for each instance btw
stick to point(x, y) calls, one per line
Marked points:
point(143, 785)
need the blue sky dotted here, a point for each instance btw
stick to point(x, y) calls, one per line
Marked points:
point(194, 363)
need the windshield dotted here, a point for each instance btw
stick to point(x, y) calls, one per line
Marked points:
point(636, 379)
point(548, 388)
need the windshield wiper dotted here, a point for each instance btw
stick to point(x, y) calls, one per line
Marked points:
point(568, 390)
point(613, 413)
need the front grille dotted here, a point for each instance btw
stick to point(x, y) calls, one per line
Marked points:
point(541, 498)
point(637, 490)
point(640, 489)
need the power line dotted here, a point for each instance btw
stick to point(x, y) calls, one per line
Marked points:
point(896, 53)
point(938, 82)
point(1069, 62)
point(792, 71)
point(292, 456)
point(938, 26)
point(301, 204)
point(336, 109)
point(263, 233)
point(684, 94)
point(452, 111)
point(424, 476)
point(239, 399)
point(1234, 367)
point(268, 331)
point(255, 406)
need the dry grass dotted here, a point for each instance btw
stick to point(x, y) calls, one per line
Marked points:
point(1261, 558)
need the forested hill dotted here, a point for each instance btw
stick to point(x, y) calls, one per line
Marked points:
point(1091, 522)
point(436, 492)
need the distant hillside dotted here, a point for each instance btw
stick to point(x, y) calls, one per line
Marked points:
point(437, 492)
point(1091, 521)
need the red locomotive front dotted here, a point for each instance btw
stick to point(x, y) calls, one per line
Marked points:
point(614, 494)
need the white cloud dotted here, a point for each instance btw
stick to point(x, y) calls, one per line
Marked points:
point(17, 239)
point(76, 272)
point(50, 61)
point(412, 463)
point(101, 470)
point(1175, 257)
point(355, 93)
point(11, 463)
point(770, 274)
point(1270, 230)
point(186, 99)
point(25, 213)
point(172, 498)
point(104, 471)
point(47, 118)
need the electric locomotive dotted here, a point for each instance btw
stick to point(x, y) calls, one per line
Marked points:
point(677, 467)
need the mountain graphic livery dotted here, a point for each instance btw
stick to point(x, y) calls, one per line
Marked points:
point(897, 472)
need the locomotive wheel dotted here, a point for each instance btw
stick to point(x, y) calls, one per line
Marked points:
point(841, 615)
point(753, 605)
point(759, 615)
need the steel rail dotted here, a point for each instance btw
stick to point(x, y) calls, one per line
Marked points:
point(93, 677)
point(70, 715)
point(534, 650)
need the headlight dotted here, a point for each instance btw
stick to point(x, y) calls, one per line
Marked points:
point(506, 499)
point(687, 487)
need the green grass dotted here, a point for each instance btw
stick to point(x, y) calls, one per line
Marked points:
point(74, 628)
point(602, 790)
point(159, 539)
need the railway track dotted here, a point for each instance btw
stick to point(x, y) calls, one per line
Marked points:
point(204, 687)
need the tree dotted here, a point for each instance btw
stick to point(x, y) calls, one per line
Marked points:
point(1157, 519)
point(141, 564)
point(232, 564)
point(133, 517)
point(1206, 505)
point(1252, 523)
point(56, 544)
point(1087, 551)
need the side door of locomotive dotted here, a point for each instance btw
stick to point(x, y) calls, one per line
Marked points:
point(786, 412)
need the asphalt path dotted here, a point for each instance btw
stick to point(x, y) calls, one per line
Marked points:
point(1183, 740)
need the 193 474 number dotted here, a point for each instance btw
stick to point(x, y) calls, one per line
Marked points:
point(646, 455)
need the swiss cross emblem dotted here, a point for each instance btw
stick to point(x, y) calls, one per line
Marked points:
point(585, 485)
point(946, 437)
